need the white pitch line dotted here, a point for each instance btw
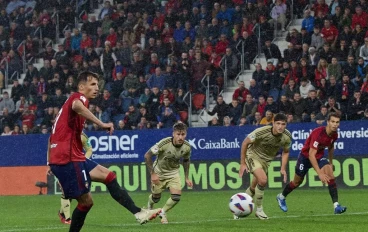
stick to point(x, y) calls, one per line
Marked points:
point(182, 222)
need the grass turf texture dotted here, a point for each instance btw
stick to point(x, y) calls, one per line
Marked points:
point(309, 210)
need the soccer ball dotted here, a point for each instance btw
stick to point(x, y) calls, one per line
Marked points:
point(241, 204)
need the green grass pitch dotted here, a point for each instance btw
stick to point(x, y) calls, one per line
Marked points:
point(309, 210)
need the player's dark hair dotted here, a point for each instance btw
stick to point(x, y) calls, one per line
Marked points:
point(280, 117)
point(179, 126)
point(333, 114)
point(83, 76)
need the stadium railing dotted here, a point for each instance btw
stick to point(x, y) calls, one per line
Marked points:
point(224, 69)
point(206, 85)
point(188, 101)
point(6, 74)
point(22, 50)
point(55, 17)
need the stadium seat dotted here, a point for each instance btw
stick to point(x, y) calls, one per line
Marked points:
point(198, 101)
point(183, 116)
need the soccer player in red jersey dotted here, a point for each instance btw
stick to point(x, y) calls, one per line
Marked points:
point(312, 155)
point(68, 163)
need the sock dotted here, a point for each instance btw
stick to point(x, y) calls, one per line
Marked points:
point(259, 192)
point(170, 203)
point(78, 217)
point(288, 189)
point(250, 191)
point(119, 194)
point(333, 191)
point(152, 200)
point(65, 207)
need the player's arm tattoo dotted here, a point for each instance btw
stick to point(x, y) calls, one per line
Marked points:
point(149, 161)
point(186, 163)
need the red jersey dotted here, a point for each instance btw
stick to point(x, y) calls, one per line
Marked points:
point(65, 140)
point(327, 32)
point(318, 140)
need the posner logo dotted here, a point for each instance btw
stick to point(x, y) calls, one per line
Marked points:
point(113, 143)
point(209, 144)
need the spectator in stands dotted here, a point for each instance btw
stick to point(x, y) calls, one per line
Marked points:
point(144, 113)
point(254, 89)
point(153, 101)
point(346, 35)
point(130, 86)
point(342, 52)
point(364, 51)
point(123, 126)
point(213, 31)
point(300, 107)
point(107, 61)
point(332, 105)
point(59, 99)
point(198, 71)
point(249, 108)
point(131, 117)
point(334, 69)
point(7, 131)
point(359, 18)
point(221, 108)
point(272, 52)
point(333, 88)
point(167, 115)
point(157, 80)
point(329, 33)
point(214, 122)
point(317, 40)
point(268, 119)
point(257, 119)
point(240, 93)
point(7, 102)
point(320, 72)
point(321, 117)
point(62, 56)
point(347, 91)
point(106, 10)
point(356, 107)
point(308, 22)
point(295, 38)
point(350, 67)
point(305, 87)
point(259, 74)
point(249, 49)
point(305, 37)
point(235, 111)
point(285, 105)
point(16, 91)
point(313, 103)
point(274, 81)
point(231, 62)
point(291, 53)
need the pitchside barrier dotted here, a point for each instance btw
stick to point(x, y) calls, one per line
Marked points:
point(215, 158)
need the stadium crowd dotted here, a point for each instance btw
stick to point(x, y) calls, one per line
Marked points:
point(149, 54)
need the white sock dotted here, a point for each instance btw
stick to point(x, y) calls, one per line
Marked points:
point(281, 196)
point(336, 204)
point(259, 209)
point(162, 211)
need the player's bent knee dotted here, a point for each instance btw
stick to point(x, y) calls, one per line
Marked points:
point(175, 197)
point(84, 207)
point(156, 198)
point(262, 182)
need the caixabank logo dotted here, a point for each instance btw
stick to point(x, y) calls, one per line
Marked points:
point(204, 144)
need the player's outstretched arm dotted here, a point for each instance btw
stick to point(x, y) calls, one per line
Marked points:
point(79, 108)
point(149, 163)
point(312, 158)
point(284, 161)
point(243, 155)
